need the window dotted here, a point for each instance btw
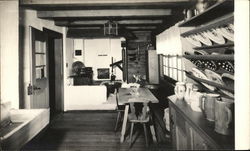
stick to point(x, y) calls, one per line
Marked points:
point(173, 67)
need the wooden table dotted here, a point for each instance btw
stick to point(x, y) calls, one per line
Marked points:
point(144, 95)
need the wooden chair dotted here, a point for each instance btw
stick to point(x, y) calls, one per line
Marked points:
point(142, 116)
point(120, 110)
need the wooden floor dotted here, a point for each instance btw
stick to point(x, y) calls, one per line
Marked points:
point(88, 131)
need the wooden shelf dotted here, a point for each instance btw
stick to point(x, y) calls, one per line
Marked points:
point(226, 45)
point(229, 18)
point(218, 71)
point(212, 13)
point(210, 82)
point(210, 57)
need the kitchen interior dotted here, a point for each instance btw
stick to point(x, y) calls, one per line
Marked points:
point(121, 75)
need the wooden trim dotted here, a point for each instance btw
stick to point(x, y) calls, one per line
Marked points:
point(105, 13)
point(96, 2)
point(101, 22)
point(210, 57)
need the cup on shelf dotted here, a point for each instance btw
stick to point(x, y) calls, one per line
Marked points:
point(188, 13)
point(208, 104)
point(224, 111)
point(180, 90)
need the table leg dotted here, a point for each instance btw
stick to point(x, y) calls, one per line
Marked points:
point(124, 123)
point(152, 129)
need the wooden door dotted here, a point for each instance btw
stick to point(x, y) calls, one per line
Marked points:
point(58, 74)
point(39, 89)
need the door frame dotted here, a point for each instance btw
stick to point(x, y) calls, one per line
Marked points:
point(56, 35)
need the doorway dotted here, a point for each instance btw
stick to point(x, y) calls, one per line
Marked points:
point(55, 62)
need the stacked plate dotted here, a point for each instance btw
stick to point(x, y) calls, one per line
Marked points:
point(227, 32)
point(228, 81)
point(213, 76)
point(214, 36)
point(199, 74)
point(226, 65)
point(200, 52)
point(203, 39)
point(204, 63)
point(191, 39)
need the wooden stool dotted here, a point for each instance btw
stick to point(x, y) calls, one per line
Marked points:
point(120, 111)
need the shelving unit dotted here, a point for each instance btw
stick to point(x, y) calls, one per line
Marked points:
point(210, 83)
point(224, 20)
point(218, 15)
point(210, 57)
point(215, 46)
point(182, 125)
point(212, 13)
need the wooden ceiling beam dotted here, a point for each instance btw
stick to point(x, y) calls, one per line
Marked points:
point(101, 22)
point(98, 2)
point(141, 28)
point(108, 13)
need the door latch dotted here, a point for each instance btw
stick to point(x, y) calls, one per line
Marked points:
point(30, 89)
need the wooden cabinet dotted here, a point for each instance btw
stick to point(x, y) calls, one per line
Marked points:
point(198, 142)
point(178, 131)
point(191, 131)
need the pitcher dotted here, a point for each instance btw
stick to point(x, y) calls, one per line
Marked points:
point(224, 111)
point(208, 105)
point(180, 90)
point(189, 90)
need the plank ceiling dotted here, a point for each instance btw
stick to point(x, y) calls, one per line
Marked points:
point(86, 17)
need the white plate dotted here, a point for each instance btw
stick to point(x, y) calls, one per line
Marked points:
point(227, 75)
point(228, 80)
point(214, 36)
point(193, 41)
point(227, 32)
point(200, 52)
point(227, 93)
point(214, 77)
point(205, 40)
point(197, 73)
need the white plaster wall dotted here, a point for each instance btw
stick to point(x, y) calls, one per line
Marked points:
point(9, 52)
point(80, 97)
point(29, 18)
point(78, 45)
point(109, 47)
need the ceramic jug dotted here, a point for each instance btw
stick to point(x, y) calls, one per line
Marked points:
point(224, 111)
point(179, 90)
point(189, 91)
point(201, 6)
point(195, 101)
point(208, 105)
